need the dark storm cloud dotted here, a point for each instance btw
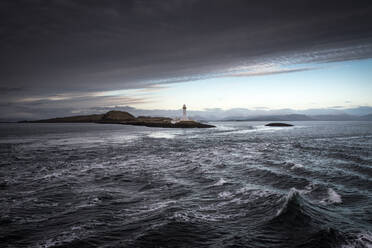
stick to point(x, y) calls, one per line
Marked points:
point(8, 90)
point(61, 46)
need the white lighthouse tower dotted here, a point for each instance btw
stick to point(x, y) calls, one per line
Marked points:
point(184, 116)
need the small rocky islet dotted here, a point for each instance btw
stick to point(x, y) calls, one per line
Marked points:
point(125, 118)
point(278, 124)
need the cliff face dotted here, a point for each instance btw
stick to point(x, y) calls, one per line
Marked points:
point(125, 118)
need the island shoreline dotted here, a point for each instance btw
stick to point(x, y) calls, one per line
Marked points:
point(125, 118)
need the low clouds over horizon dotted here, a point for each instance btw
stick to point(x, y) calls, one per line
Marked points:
point(77, 49)
point(36, 113)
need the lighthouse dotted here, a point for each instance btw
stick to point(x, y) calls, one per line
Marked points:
point(184, 116)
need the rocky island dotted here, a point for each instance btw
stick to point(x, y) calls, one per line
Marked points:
point(125, 118)
point(279, 124)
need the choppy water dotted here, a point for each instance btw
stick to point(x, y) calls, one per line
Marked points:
point(239, 185)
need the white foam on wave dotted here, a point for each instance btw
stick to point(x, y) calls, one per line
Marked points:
point(160, 205)
point(225, 194)
point(254, 192)
point(233, 130)
point(123, 138)
point(63, 239)
point(225, 128)
point(76, 232)
point(310, 186)
point(220, 182)
point(292, 192)
point(296, 166)
point(362, 240)
point(333, 197)
point(161, 135)
point(243, 131)
point(244, 195)
point(211, 215)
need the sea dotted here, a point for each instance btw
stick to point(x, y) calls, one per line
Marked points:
point(241, 184)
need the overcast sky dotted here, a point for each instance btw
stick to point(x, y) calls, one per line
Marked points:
point(60, 57)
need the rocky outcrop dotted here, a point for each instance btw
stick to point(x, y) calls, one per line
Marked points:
point(278, 124)
point(117, 116)
point(192, 124)
point(168, 124)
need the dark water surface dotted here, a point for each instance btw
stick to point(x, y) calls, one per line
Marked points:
point(238, 185)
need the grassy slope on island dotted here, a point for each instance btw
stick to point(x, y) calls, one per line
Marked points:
point(71, 119)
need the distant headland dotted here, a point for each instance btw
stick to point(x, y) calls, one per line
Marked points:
point(125, 118)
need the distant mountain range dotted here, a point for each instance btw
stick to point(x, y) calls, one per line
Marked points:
point(366, 117)
point(259, 114)
point(299, 117)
